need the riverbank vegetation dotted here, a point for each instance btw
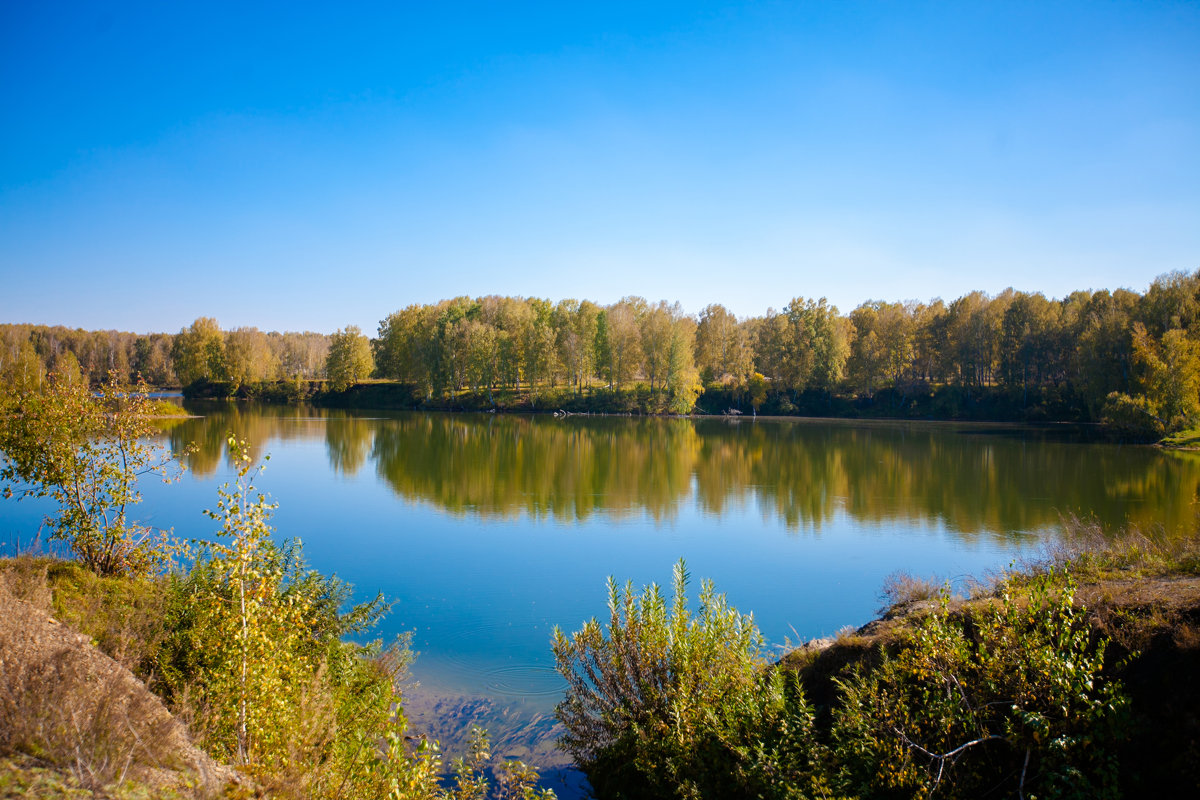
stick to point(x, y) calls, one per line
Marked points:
point(1059, 680)
point(1130, 360)
point(236, 636)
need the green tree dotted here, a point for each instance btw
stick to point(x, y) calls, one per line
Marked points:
point(816, 344)
point(603, 349)
point(1172, 301)
point(349, 358)
point(929, 341)
point(576, 325)
point(512, 318)
point(152, 359)
point(682, 380)
point(199, 352)
point(86, 452)
point(722, 351)
point(656, 325)
point(1102, 353)
point(1171, 375)
point(541, 356)
point(249, 357)
point(770, 347)
point(22, 371)
point(407, 347)
point(973, 331)
point(258, 646)
point(757, 385)
point(1028, 335)
point(624, 340)
point(867, 362)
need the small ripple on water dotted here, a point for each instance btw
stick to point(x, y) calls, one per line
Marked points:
point(524, 680)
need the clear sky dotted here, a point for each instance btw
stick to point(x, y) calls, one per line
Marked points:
point(306, 166)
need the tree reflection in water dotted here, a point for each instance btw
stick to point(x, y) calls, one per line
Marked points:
point(973, 480)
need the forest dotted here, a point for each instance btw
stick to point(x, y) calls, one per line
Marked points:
point(1128, 359)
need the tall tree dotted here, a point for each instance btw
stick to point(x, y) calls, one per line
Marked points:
point(249, 357)
point(1172, 301)
point(1027, 338)
point(349, 359)
point(624, 340)
point(656, 328)
point(1103, 352)
point(199, 352)
point(816, 344)
point(682, 379)
point(1170, 375)
point(152, 359)
point(722, 351)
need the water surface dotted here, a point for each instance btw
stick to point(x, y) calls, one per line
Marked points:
point(489, 530)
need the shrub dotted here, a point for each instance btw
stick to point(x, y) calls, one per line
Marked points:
point(1011, 703)
point(664, 703)
point(259, 655)
point(1133, 417)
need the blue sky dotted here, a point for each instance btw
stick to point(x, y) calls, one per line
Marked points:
point(307, 166)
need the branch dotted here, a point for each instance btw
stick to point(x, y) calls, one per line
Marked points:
point(942, 758)
point(1024, 767)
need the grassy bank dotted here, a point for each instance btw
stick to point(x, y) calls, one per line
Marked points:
point(1187, 439)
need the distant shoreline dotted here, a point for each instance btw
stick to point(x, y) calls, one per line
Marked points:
point(940, 404)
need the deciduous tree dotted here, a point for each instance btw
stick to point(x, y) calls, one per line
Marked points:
point(86, 452)
point(349, 358)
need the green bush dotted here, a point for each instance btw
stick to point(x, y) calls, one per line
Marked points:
point(667, 704)
point(1012, 702)
point(1133, 417)
point(85, 450)
point(258, 656)
point(1007, 700)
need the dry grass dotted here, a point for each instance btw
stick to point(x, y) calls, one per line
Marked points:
point(25, 578)
point(1091, 554)
point(69, 706)
point(900, 589)
point(59, 712)
point(123, 617)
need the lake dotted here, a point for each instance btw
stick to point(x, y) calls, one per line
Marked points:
point(488, 530)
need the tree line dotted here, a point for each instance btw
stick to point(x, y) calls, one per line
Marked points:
point(1130, 358)
point(201, 351)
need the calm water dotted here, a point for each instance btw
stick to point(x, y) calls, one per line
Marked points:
point(488, 530)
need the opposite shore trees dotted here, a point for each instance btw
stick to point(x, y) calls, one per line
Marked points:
point(349, 359)
point(1120, 357)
